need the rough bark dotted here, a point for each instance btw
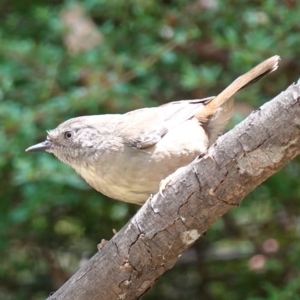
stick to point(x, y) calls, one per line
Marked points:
point(151, 242)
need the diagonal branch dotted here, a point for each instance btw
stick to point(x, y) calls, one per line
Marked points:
point(151, 242)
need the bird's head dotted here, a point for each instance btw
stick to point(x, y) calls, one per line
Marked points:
point(72, 141)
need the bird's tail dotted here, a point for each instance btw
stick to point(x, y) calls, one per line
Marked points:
point(255, 74)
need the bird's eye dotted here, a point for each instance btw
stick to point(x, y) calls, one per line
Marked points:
point(69, 134)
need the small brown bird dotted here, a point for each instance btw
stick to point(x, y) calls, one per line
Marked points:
point(126, 156)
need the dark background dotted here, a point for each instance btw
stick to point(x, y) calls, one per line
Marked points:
point(61, 59)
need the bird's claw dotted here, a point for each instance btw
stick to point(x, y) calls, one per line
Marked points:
point(101, 244)
point(164, 183)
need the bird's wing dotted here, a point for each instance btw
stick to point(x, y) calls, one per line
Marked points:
point(145, 127)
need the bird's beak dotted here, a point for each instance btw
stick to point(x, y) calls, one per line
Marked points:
point(40, 147)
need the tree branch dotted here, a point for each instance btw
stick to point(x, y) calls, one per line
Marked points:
point(151, 242)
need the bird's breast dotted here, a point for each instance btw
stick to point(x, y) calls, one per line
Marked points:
point(132, 175)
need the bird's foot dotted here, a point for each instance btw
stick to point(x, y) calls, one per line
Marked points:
point(164, 183)
point(102, 244)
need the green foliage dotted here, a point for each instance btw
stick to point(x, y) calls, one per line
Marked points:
point(150, 53)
